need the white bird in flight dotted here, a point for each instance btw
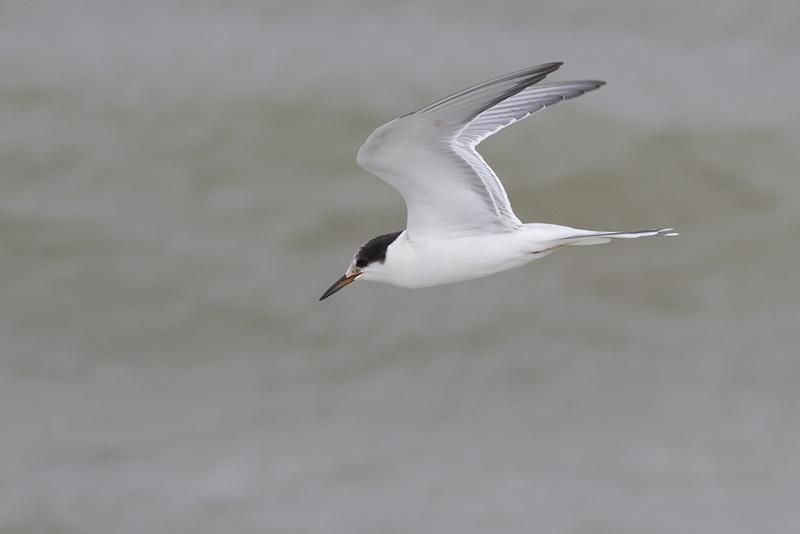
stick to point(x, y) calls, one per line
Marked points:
point(460, 223)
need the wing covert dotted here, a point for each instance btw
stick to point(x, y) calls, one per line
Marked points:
point(429, 156)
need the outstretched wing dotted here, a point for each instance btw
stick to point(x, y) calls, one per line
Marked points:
point(429, 155)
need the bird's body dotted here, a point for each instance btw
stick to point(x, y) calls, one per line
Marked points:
point(430, 262)
point(460, 222)
point(436, 261)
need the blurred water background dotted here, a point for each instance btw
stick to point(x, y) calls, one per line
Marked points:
point(178, 187)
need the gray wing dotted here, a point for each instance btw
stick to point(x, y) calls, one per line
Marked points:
point(429, 156)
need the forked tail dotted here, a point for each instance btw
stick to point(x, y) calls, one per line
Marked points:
point(596, 238)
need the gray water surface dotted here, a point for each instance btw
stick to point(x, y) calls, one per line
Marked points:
point(178, 187)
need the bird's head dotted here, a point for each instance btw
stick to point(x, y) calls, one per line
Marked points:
point(368, 262)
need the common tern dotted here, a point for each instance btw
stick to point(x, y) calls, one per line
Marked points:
point(460, 224)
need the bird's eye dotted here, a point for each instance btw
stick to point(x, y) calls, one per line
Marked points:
point(361, 263)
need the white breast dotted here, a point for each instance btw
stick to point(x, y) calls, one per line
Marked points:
point(432, 262)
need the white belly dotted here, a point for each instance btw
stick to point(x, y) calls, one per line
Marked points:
point(434, 262)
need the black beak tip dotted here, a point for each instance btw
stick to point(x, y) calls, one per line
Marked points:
point(337, 285)
point(326, 295)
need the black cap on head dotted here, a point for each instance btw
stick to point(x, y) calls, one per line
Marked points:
point(372, 251)
point(375, 249)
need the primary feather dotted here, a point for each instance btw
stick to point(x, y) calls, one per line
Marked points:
point(429, 156)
